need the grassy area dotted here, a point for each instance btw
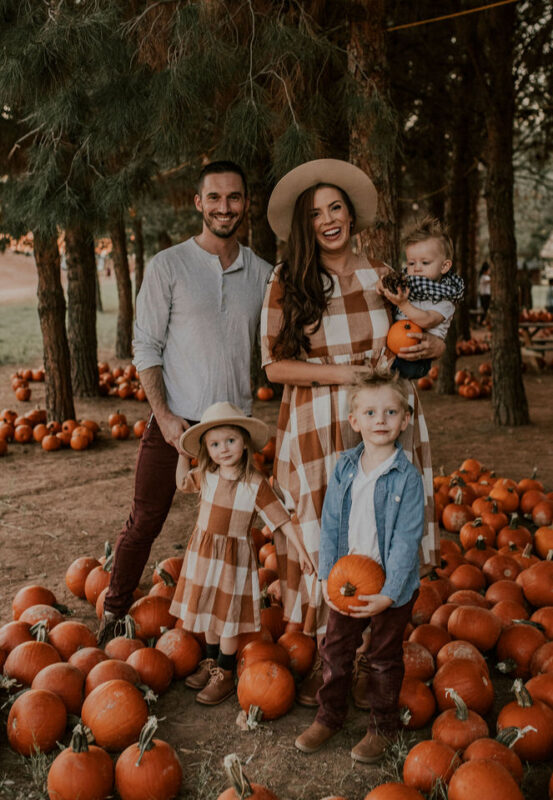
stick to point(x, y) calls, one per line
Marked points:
point(21, 339)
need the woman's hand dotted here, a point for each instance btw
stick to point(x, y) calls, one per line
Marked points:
point(426, 345)
point(375, 604)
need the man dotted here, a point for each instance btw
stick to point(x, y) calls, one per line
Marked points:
point(197, 316)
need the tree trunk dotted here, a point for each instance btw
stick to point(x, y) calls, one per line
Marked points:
point(509, 402)
point(81, 302)
point(99, 304)
point(123, 341)
point(373, 139)
point(448, 361)
point(138, 254)
point(51, 312)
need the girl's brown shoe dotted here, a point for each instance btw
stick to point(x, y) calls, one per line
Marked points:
point(219, 687)
point(200, 678)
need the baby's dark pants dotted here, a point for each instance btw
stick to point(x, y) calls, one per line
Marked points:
point(154, 489)
point(385, 658)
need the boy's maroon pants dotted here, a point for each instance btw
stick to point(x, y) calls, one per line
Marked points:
point(385, 658)
point(154, 489)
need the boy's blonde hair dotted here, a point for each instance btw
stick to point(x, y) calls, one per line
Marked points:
point(428, 227)
point(377, 379)
point(246, 465)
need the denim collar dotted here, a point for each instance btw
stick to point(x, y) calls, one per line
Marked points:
point(399, 463)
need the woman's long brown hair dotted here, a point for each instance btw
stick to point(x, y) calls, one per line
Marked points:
point(307, 285)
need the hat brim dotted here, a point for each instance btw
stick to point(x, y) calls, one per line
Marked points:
point(258, 430)
point(351, 179)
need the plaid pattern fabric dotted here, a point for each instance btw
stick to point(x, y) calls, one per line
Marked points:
point(218, 589)
point(449, 287)
point(313, 427)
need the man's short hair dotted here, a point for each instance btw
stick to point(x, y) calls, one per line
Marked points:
point(218, 167)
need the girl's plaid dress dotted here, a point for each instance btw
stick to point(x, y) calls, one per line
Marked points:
point(313, 426)
point(218, 588)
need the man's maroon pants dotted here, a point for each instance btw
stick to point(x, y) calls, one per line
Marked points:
point(385, 658)
point(154, 489)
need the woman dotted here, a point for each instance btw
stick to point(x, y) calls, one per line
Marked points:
point(321, 324)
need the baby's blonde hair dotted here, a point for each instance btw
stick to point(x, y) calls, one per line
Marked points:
point(246, 465)
point(376, 379)
point(428, 227)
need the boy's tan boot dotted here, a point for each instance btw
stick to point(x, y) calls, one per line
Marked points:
point(314, 737)
point(200, 678)
point(370, 749)
point(219, 687)
point(307, 694)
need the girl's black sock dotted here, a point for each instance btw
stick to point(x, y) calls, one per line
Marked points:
point(226, 661)
point(212, 651)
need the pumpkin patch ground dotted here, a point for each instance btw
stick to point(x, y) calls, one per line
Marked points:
point(58, 506)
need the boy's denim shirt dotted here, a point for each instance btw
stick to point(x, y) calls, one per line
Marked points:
point(399, 512)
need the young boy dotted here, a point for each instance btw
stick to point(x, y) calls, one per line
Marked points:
point(374, 505)
point(427, 294)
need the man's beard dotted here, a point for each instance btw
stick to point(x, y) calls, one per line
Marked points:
point(223, 233)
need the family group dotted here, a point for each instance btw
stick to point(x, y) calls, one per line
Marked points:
point(352, 472)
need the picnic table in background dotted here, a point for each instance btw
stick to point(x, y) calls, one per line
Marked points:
point(536, 339)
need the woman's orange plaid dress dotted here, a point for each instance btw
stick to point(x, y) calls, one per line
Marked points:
point(218, 588)
point(313, 426)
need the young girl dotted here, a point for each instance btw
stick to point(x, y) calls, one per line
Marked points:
point(218, 590)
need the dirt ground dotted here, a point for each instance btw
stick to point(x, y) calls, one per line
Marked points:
point(55, 507)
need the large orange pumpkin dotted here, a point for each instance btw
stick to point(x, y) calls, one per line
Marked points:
point(148, 768)
point(483, 778)
point(182, 648)
point(36, 721)
point(115, 712)
point(429, 762)
point(81, 770)
point(351, 576)
point(66, 681)
point(268, 685)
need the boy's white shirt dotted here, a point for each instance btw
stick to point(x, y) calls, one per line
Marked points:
point(362, 533)
point(444, 307)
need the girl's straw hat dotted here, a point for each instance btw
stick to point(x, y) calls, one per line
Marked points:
point(352, 180)
point(224, 414)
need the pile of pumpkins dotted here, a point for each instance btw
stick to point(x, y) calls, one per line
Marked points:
point(467, 383)
point(20, 382)
point(485, 611)
point(122, 382)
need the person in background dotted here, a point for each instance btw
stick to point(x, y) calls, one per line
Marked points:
point(484, 291)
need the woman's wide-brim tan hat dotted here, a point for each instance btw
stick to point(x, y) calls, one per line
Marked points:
point(220, 414)
point(352, 180)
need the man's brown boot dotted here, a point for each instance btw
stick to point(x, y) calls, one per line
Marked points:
point(108, 628)
point(360, 683)
point(200, 678)
point(307, 693)
point(219, 687)
point(314, 737)
point(370, 749)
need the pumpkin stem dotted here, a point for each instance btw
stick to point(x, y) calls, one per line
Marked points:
point(146, 736)
point(462, 712)
point(527, 552)
point(108, 563)
point(477, 523)
point(238, 780)
point(549, 556)
point(524, 699)
point(510, 736)
point(480, 543)
point(129, 627)
point(514, 522)
point(107, 549)
point(149, 696)
point(459, 498)
point(534, 473)
point(165, 577)
point(347, 590)
point(39, 630)
point(79, 742)
point(265, 599)
point(506, 666)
